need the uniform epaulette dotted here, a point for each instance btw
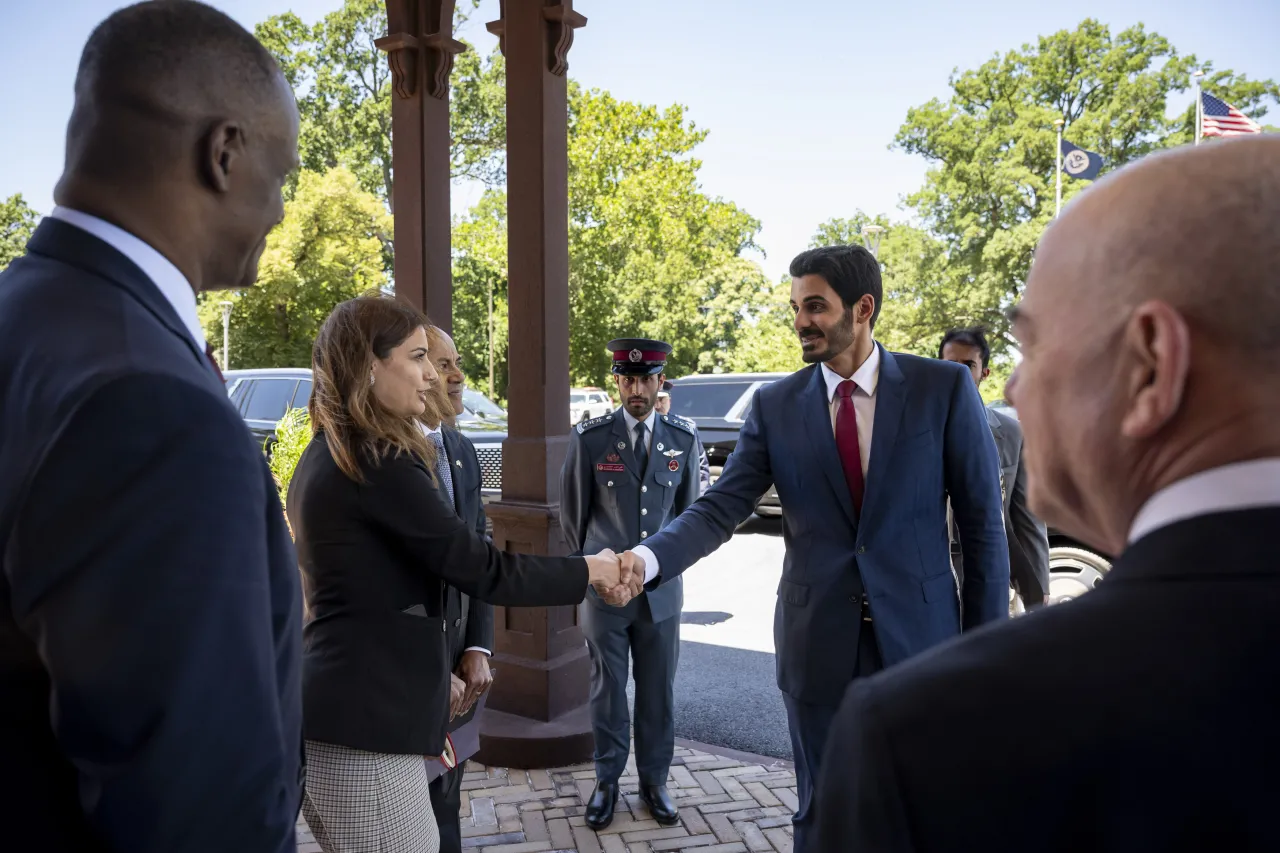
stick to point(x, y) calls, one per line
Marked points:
point(594, 422)
point(680, 423)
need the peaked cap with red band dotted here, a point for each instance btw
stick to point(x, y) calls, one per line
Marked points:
point(639, 356)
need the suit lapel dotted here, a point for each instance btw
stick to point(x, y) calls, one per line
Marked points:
point(78, 248)
point(891, 397)
point(822, 438)
point(997, 429)
point(622, 444)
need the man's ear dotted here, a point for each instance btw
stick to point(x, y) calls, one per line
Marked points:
point(986, 371)
point(221, 152)
point(865, 308)
point(1157, 347)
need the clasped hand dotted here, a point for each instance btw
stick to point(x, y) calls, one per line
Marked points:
point(616, 579)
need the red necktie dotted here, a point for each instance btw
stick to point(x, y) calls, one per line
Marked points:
point(208, 351)
point(847, 442)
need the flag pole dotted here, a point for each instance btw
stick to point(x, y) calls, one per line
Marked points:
point(1057, 203)
point(1199, 105)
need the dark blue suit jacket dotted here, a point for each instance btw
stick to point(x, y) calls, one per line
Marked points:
point(930, 439)
point(150, 620)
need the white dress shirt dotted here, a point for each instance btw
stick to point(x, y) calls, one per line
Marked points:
point(648, 428)
point(429, 431)
point(867, 378)
point(1242, 485)
point(167, 278)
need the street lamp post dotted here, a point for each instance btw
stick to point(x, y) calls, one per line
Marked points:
point(226, 335)
point(1057, 193)
point(1196, 78)
point(871, 235)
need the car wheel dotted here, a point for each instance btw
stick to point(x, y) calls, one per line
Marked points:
point(1073, 572)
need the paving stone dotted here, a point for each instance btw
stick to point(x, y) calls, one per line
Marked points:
point(561, 836)
point(723, 829)
point(753, 837)
point(761, 794)
point(524, 847)
point(779, 839)
point(788, 797)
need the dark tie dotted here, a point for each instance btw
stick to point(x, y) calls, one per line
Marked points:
point(208, 352)
point(642, 452)
point(847, 442)
point(442, 465)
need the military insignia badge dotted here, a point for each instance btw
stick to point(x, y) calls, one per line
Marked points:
point(613, 457)
point(673, 453)
point(601, 466)
point(660, 447)
point(635, 355)
point(673, 465)
point(622, 445)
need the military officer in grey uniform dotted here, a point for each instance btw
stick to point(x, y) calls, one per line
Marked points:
point(626, 476)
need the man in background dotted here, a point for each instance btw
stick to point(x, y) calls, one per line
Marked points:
point(1028, 538)
point(626, 476)
point(150, 633)
point(1149, 394)
point(469, 622)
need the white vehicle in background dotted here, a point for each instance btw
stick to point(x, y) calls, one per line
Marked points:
point(588, 403)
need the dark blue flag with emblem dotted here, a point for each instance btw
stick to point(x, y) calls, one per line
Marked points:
point(1079, 163)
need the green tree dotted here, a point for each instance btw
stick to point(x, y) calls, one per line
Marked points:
point(989, 193)
point(17, 221)
point(651, 255)
point(327, 249)
point(343, 85)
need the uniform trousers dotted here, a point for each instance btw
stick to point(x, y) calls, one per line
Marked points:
point(446, 802)
point(615, 637)
point(809, 724)
point(368, 802)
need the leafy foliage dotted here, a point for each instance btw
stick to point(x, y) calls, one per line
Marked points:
point(327, 249)
point(17, 221)
point(293, 434)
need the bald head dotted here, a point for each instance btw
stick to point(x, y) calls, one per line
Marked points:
point(1150, 334)
point(183, 133)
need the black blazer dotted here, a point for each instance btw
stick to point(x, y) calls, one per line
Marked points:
point(375, 560)
point(1140, 717)
point(470, 620)
point(150, 693)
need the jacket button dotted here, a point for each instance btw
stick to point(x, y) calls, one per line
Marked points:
point(444, 626)
point(644, 511)
point(611, 483)
point(862, 549)
point(644, 489)
point(458, 463)
point(643, 534)
point(457, 623)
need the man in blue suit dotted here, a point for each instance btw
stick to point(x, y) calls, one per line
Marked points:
point(150, 618)
point(865, 447)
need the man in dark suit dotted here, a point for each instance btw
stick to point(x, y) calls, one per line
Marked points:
point(150, 697)
point(1028, 538)
point(1149, 393)
point(865, 447)
point(469, 621)
point(625, 476)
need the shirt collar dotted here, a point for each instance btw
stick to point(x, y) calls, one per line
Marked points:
point(1242, 485)
point(428, 430)
point(167, 278)
point(631, 421)
point(866, 377)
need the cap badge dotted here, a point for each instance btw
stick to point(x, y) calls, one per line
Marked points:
point(635, 355)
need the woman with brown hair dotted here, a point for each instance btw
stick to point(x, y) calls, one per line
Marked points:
point(377, 541)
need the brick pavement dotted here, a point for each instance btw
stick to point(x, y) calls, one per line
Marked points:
point(727, 805)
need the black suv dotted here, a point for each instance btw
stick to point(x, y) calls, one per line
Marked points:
point(718, 403)
point(265, 395)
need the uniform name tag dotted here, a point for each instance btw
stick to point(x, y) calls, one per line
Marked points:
point(601, 466)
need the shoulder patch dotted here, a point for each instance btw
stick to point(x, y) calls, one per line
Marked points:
point(680, 423)
point(593, 423)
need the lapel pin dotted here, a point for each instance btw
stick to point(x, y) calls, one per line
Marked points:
point(673, 453)
point(622, 445)
point(673, 465)
point(660, 447)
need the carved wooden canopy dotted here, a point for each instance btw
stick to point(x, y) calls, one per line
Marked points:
point(418, 30)
point(561, 20)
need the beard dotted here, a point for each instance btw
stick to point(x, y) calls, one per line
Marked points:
point(837, 339)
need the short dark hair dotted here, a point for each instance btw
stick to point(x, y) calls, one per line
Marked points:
point(852, 271)
point(145, 76)
point(973, 336)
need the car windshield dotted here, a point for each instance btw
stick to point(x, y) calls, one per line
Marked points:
point(577, 399)
point(479, 404)
point(706, 399)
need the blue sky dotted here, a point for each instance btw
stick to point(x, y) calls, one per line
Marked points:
point(802, 105)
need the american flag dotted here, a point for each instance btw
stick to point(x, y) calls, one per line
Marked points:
point(1222, 119)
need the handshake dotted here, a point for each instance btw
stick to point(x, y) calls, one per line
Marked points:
point(617, 579)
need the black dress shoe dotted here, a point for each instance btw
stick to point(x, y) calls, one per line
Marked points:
point(599, 812)
point(660, 805)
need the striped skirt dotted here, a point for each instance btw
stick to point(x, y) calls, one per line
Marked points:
point(368, 802)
